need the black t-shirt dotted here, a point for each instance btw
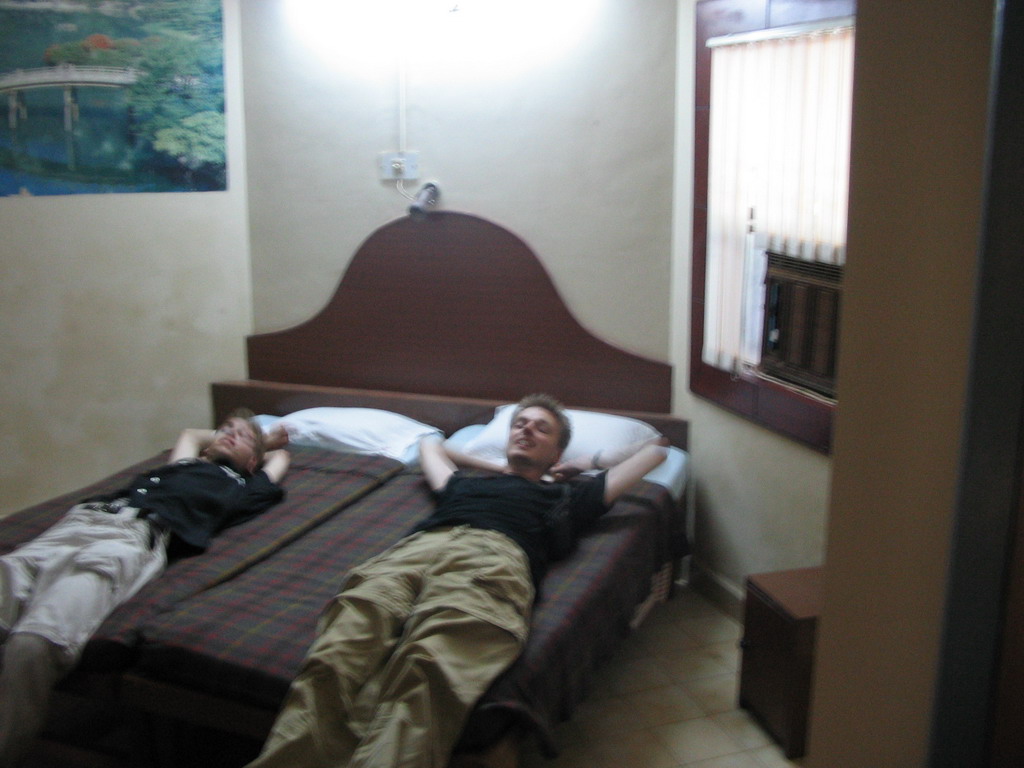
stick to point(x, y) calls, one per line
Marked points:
point(196, 499)
point(519, 508)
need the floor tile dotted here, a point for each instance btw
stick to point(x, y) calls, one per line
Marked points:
point(703, 661)
point(737, 760)
point(742, 728)
point(772, 757)
point(714, 629)
point(668, 699)
point(693, 740)
point(715, 693)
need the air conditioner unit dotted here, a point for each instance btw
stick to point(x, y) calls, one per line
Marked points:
point(801, 321)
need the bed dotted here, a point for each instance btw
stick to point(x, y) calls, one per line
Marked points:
point(442, 321)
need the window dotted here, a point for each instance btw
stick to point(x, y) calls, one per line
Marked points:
point(772, 135)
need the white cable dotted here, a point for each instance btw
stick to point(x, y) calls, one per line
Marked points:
point(400, 186)
point(403, 73)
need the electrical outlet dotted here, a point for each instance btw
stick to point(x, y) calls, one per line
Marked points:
point(399, 165)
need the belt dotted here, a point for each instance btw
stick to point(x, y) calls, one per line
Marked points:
point(157, 525)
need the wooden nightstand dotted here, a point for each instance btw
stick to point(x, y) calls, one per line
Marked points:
point(779, 626)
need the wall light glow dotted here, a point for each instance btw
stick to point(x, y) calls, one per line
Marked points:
point(473, 37)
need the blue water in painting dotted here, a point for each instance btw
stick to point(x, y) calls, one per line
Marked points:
point(16, 182)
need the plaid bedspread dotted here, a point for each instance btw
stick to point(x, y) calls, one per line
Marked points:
point(586, 604)
point(244, 639)
point(319, 485)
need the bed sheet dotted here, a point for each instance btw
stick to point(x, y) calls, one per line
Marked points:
point(245, 639)
point(319, 485)
point(587, 605)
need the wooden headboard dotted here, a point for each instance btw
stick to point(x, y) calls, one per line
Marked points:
point(456, 306)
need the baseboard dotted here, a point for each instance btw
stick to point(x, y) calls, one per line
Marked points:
point(726, 595)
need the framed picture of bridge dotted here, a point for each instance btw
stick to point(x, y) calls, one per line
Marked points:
point(104, 96)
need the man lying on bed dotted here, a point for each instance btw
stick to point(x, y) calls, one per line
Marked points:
point(419, 632)
point(58, 588)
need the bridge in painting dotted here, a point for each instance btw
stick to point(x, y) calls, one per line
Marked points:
point(66, 76)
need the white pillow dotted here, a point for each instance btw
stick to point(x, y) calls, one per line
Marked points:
point(355, 430)
point(673, 473)
point(591, 432)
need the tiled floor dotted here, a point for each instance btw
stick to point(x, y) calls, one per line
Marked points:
point(668, 700)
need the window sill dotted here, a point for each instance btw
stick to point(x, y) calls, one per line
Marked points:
point(780, 408)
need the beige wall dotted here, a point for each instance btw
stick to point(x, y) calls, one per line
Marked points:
point(586, 158)
point(760, 500)
point(918, 137)
point(574, 156)
point(117, 310)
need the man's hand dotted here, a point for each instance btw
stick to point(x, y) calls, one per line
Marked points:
point(275, 439)
point(566, 470)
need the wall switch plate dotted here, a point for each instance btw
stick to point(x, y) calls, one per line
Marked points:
point(399, 165)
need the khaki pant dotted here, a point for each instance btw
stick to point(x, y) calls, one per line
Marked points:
point(54, 592)
point(404, 652)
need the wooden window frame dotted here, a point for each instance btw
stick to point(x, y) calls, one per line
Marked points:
point(782, 409)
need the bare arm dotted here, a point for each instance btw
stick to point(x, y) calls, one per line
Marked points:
point(627, 473)
point(276, 459)
point(626, 466)
point(605, 459)
point(191, 443)
point(438, 462)
point(435, 462)
point(276, 463)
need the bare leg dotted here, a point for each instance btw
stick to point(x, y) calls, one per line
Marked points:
point(32, 666)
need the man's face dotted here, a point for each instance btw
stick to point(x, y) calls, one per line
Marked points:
point(533, 439)
point(234, 443)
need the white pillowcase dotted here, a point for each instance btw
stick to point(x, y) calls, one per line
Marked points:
point(355, 430)
point(591, 432)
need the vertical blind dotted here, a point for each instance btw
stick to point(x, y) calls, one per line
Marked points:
point(777, 174)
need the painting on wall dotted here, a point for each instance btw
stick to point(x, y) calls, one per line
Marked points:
point(105, 96)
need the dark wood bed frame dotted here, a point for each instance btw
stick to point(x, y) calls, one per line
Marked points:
point(440, 319)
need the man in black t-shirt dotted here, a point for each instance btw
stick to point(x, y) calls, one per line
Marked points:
point(419, 632)
point(58, 588)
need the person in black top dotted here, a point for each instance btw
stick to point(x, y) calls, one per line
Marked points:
point(419, 632)
point(58, 588)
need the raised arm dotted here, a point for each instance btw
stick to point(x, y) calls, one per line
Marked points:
point(438, 462)
point(625, 465)
point(276, 463)
point(628, 472)
point(603, 459)
point(435, 462)
point(191, 443)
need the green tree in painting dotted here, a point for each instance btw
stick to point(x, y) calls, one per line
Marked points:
point(95, 51)
point(197, 142)
point(199, 19)
point(178, 99)
point(177, 78)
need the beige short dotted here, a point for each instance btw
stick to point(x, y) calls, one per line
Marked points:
point(64, 583)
